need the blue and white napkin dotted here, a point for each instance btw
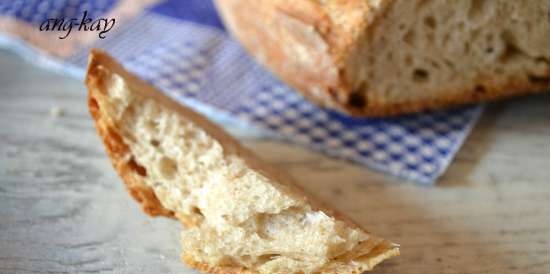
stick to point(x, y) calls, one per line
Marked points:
point(182, 48)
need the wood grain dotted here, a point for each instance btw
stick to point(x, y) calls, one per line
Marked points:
point(63, 209)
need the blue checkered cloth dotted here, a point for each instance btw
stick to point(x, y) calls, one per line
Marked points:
point(183, 49)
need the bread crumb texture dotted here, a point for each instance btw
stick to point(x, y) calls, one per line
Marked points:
point(239, 216)
point(427, 49)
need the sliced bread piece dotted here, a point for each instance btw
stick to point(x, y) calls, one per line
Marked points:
point(388, 57)
point(241, 215)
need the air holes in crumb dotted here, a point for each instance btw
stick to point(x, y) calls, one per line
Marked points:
point(434, 64)
point(430, 22)
point(268, 257)
point(167, 168)
point(420, 75)
point(542, 61)
point(132, 164)
point(408, 38)
point(196, 210)
point(155, 143)
point(449, 63)
point(150, 125)
point(511, 50)
point(262, 229)
point(477, 8)
point(480, 89)
point(357, 100)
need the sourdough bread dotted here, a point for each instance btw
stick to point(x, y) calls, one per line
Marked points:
point(383, 57)
point(241, 215)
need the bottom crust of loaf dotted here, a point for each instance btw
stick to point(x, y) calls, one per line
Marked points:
point(482, 93)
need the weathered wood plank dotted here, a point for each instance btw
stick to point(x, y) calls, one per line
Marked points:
point(64, 210)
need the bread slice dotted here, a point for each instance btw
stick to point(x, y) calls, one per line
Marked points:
point(242, 216)
point(384, 57)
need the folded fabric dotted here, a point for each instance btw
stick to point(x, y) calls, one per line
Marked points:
point(182, 48)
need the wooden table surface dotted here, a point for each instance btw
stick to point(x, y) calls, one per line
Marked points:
point(64, 210)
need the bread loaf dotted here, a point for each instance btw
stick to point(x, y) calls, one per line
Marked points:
point(383, 57)
point(241, 215)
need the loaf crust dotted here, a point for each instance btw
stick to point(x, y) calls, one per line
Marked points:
point(306, 43)
point(100, 67)
point(119, 153)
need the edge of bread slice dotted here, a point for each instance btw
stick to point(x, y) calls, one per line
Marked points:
point(241, 215)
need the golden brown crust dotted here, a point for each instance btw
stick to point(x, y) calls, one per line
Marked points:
point(130, 172)
point(322, 34)
point(122, 160)
point(381, 252)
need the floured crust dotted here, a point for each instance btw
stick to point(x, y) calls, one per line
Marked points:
point(101, 67)
point(323, 35)
point(299, 42)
